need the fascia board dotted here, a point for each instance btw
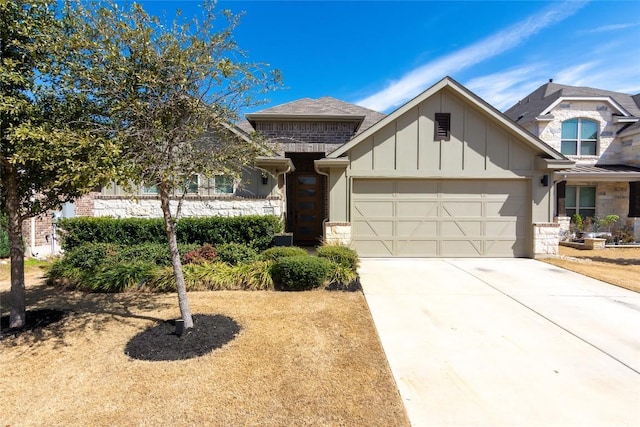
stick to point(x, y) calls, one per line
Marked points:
point(606, 99)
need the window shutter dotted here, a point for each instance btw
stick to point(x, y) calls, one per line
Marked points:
point(442, 129)
point(561, 198)
point(634, 199)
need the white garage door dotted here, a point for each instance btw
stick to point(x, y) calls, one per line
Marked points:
point(441, 218)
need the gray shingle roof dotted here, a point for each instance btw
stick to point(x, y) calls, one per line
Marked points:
point(317, 108)
point(531, 106)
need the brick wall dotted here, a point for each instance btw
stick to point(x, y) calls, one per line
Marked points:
point(306, 136)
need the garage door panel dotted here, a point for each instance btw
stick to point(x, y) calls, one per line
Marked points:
point(441, 218)
point(381, 248)
point(461, 248)
point(417, 248)
point(415, 208)
point(416, 228)
point(373, 228)
point(461, 228)
point(367, 209)
point(462, 208)
point(416, 188)
point(509, 207)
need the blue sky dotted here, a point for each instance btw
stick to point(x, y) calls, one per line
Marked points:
point(380, 54)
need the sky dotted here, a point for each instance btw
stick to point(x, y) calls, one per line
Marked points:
point(381, 54)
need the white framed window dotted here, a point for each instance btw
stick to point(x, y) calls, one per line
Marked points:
point(579, 137)
point(580, 200)
point(223, 184)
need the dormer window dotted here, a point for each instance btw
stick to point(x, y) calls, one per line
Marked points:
point(579, 137)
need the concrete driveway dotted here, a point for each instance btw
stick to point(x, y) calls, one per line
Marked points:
point(506, 342)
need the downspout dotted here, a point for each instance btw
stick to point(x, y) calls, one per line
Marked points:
point(32, 237)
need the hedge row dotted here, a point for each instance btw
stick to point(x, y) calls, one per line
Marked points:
point(254, 230)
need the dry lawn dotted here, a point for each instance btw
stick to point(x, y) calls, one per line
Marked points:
point(310, 358)
point(618, 266)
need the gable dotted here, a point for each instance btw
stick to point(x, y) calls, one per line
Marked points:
point(481, 141)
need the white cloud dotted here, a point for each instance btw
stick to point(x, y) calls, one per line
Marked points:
point(612, 27)
point(415, 81)
point(504, 89)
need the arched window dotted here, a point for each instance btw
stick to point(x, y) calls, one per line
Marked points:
point(579, 137)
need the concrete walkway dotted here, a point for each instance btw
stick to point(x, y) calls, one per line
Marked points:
point(506, 342)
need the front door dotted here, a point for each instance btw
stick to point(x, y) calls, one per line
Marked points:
point(305, 199)
point(307, 221)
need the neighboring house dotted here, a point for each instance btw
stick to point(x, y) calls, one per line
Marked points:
point(600, 131)
point(445, 175)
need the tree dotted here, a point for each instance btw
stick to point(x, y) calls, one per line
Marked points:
point(172, 92)
point(48, 153)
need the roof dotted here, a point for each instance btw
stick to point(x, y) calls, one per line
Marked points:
point(325, 108)
point(538, 101)
point(601, 173)
point(450, 83)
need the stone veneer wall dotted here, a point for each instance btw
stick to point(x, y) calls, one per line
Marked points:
point(337, 232)
point(608, 151)
point(546, 238)
point(631, 150)
point(150, 207)
point(306, 136)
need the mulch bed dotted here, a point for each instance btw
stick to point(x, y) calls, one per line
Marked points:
point(162, 343)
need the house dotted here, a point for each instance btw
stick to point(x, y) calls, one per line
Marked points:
point(445, 175)
point(600, 131)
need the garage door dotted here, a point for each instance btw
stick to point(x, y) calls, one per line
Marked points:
point(441, 218)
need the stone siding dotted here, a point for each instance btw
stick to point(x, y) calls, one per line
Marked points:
point(546, 238)
point(337, 232)
point(150, 207)
point(631, 150)
point(306, 136)
point(609, 150)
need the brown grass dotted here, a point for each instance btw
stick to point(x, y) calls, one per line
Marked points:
point(310, 358)
point(618, 266)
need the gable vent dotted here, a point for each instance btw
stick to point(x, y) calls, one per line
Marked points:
point(442, 128)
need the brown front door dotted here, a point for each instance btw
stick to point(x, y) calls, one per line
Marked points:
point(307, 207)
point(305, 199)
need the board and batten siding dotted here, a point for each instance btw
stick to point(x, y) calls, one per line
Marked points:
point(477, 148)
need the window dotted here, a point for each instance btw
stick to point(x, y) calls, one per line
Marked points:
point(190, 185)
point(150, 189)
point(442, 127)
point(223, 184)
point(579, 137)
point(634, 199)
point(581, 200)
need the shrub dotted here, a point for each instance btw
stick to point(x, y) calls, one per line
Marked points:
point(118, 277)
point(341, 255)
point(90, 256)
point(253, 230)
point(235, 253)
point(205, 253)
point(5, 245)
point(297, 273)
point(278, 252)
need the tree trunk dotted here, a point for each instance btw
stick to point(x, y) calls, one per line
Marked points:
point(170, 228)
point(17, 296)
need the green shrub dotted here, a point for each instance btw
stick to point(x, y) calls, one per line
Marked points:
point(235, 253)
point(5, 245)
point(205, 253)
point(253, 230)
point(90, 256)
point(302, 272)
point(278, 252)
point(342, 255)
point(119, 277)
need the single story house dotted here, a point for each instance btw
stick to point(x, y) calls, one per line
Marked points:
point(445, 175)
